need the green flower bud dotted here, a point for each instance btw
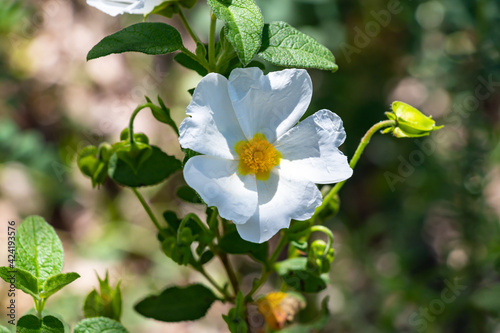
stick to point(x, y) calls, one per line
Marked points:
point(105, 151)
point(93, 162)
point(179, 249)
point(317, 258)
point(134, 154)
point(410, 122)
point(139, 137)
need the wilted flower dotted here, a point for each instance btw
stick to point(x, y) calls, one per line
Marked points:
point(118, 7)
point(258, 169)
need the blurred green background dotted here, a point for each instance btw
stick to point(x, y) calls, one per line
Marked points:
point(418, 234)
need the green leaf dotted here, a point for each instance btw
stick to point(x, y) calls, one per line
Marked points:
point(177, 303)
point(299, 276)
point(39, 250)
point(163, 115)
point(236, 318)
point(174, 222)
point(170, 7)
point(4, 329)
point(244, 23)
point(22, 280)
point(146, 37)
point(186, 193)
point(206, 257)
point(190, 63)
point(232, 243)
point(107, 303)
point(31, 324)
point(99, 325)
point(188, 153)
point(152, 171)
point(93, 305)
point(284, 45)
point(57, 282)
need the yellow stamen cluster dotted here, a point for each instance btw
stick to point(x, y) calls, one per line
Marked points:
point(257, 156)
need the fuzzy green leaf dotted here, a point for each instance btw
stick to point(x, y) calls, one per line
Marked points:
point(32, 324)
point(190, 63)
point(232, 243)
point(152, 171)
point(163, 115)
point(284, 45)
point(39, 250)
point(176, 304)
point(146, 37)
point(22, 279)
point(244, 23)
point(99, 325)
point(186, 193)
point(57, 282)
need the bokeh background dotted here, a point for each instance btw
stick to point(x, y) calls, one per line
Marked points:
point(418, 234)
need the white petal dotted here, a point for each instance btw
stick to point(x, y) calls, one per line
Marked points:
point(219, 185)
point(118, 7)
point(110, 7)
point(145, 7)
point(281, 198)
point(212, 128)
point(309, 150)
point(269, 104)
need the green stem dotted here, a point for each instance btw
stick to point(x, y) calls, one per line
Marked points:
point(223, 256)
point(39, 305)
point(328, 232)
point(268, 267)
point(361, 147)
point(213, 222)
point(213, 283)
point(195, 218)
point(211, 42)
point(148, 210)
point(132, 118)
point(230, 272)
point(188, 27)
point(193, 56)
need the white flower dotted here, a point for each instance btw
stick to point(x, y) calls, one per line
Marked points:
point(118, 7)
point(256, 169)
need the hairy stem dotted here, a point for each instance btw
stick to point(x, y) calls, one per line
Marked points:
point(213, 283)
point(188, 27)
point(361, 147)
point(148, 210)
point(268, 267)
point(132, 118)
point(230, 271)
point(211, 42)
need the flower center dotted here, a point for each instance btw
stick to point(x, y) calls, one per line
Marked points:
point(257, 156)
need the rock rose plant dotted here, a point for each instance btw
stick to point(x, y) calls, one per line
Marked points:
point(267, 176)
